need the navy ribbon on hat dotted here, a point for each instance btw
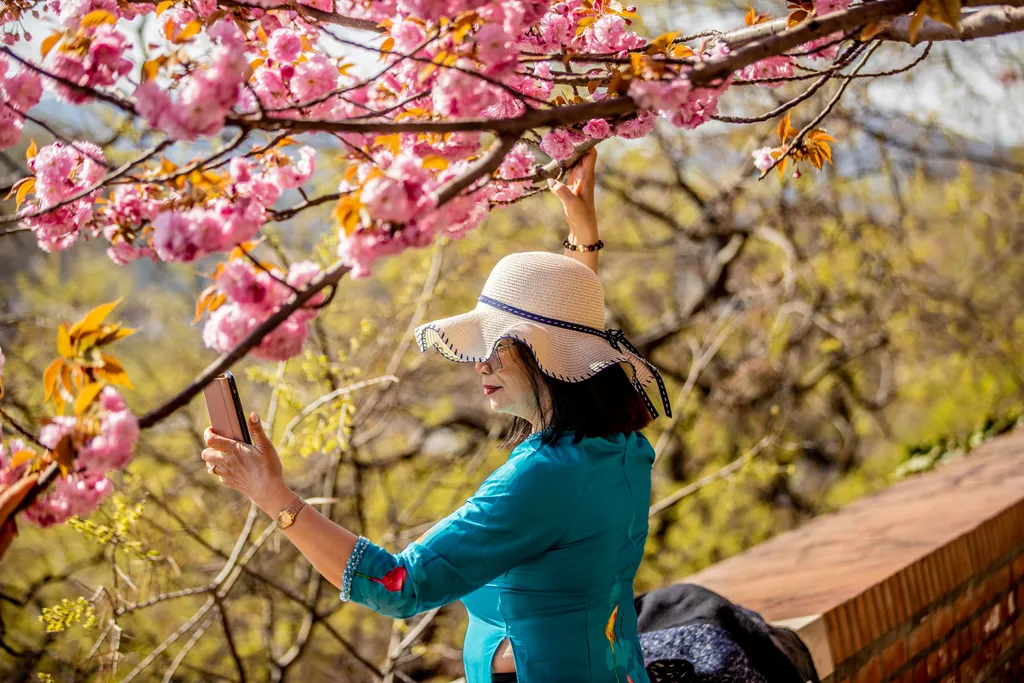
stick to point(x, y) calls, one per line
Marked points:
point(617, 339)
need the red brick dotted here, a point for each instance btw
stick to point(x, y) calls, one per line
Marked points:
point(962, 607)
point(946, 658)
point(870, 672)
point(942, 622)
point(1020, 627)
point(986, 655)
point(989, 589)
point(1002, 578)
point(1018, 567)
point(965, 639)
point(993, 620)
point(1010, 604)
point(920, 673)
point(907, 677)
point(968, 670)
point(976, 638)
point(894, 657)
point(1004, 641)
point(920, 638)
point(932, 665)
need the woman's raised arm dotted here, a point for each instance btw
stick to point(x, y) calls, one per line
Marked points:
point(577, 199)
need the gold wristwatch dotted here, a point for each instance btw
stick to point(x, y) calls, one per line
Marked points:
point(286, 517)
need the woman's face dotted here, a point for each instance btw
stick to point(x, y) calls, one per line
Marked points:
point(506, 383)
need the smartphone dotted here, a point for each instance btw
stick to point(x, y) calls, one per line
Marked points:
point(227, 417)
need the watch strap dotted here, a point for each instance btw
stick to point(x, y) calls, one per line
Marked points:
point(293, 510)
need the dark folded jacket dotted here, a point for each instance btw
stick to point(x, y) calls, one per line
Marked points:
point(705, 638)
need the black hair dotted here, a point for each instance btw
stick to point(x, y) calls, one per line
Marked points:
point(606, 403)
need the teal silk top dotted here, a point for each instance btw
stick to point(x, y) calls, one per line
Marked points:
point(544, 553)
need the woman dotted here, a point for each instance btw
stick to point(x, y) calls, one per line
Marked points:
point(543, 555)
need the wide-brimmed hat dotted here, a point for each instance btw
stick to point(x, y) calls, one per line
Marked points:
point(555, 306)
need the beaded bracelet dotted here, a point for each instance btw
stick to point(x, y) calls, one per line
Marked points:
point(582, 247)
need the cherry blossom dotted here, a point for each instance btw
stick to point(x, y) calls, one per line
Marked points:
point(763, 158)
point(71, 495)
point(21, 91)
point(63, 171)
point(780, 66)
point(8, 474)
point(253, 295)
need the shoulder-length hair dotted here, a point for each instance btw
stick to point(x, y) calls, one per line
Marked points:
point(606, 403)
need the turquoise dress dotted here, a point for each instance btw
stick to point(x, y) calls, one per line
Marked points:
point(544, 553)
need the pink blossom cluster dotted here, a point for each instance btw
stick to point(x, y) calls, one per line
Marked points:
point(82, 489)
point(423, 220)
point(205, 96)
point(237, 215)
point(77, 493)
point(282, 87)
point(129, 208)
point(95, 59)
point(763, 159)
point(62, 171)
point(111, 449)
point(21, 91)
point(608, 33)
point(253, 295)
point(779, 66)
point(675, 98)
point(8, 474)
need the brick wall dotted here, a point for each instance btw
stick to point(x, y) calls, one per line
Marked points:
point(953, 616)
point(921, 582)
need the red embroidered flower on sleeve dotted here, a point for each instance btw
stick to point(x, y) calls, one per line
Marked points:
point(394, 579)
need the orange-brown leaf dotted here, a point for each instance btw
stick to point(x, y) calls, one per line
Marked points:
point(65, 380)
point(21, 457)
point(64, 451)
point(191, 29)
point(94, 318)
point(48, 44)
point(150, 69)
point(781, 168)
point(50, 376)
point(113, 333)
point(203, 302)
point(916, 21)
point(87, 395)
point(64, 346)
point(113, 372)
point(97, 17)
point(24, 187)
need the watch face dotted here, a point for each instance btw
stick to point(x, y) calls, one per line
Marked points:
point(286, 518)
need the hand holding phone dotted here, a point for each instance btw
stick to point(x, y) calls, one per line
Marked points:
point(227, 417)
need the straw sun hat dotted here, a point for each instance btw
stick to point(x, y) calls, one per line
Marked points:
point(554, 305)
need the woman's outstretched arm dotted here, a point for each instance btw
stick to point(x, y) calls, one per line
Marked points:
point(256, 471)
point(577, 199)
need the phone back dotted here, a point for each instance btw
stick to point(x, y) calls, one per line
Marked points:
point(220, 405)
